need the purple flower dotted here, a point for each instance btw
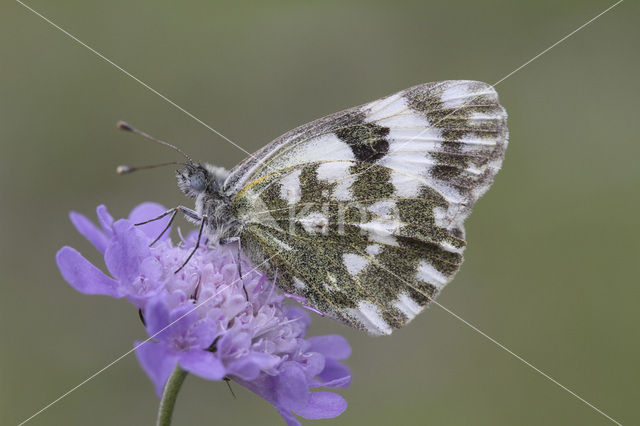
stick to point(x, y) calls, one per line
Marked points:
point(206, 319)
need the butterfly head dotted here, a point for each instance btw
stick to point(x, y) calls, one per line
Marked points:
point(196, 179)
point(193, 180)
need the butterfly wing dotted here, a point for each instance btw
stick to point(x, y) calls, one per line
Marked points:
point(362, 211)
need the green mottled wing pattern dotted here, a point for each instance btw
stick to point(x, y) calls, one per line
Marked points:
point(362, 212)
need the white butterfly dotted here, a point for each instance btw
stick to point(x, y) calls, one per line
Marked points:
point(362, 211)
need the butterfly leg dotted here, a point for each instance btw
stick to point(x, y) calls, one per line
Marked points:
point(232, 240)
point(228, 380)
point(202, 222)
point(246, 295)
point(191, 214)
point(173, 216)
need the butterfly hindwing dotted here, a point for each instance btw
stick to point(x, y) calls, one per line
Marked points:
point(362, 212)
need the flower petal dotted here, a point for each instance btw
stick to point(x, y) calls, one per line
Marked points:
point(126, 251)
point(313, 364)
point(105, 220)
point(90, 231)
point(146, 211)
point(250, 366)
point(322, 405)
point(182, 320)
point(292, 391)
point(203, 364)
point(233, 344)
point(264, 386)
point(84, 276)
point(334, 375)
point(331, 346)
point(296, 313)
point(156, 316)
point(203, 332)
point(288, 417)
point(157, 361)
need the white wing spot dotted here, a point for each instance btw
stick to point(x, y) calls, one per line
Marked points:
point(342, 191)
point(354, 263)
point(448, 218)
point(397, 114)
point(332, 171)
point(407, 305)
point(384, 107)
point(282, 244)
point(290, 187)
point(450, 248)
point(405, 185)
point(323, 147)
point(431, 275)
point(381, 231)
point(315, 223)
point(369, 316)
point(384, 208)
point(455, 96)
point(373, 250)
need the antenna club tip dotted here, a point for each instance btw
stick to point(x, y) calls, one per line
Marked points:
point(123, 125)
point(123, 170)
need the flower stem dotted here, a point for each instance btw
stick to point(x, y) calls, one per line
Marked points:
point(169, 396)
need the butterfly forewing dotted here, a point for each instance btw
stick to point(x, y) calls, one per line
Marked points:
point(362, 211)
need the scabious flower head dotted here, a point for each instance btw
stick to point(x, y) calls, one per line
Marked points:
point(208, 320)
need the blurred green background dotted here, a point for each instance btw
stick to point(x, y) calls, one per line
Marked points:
point(552, 263)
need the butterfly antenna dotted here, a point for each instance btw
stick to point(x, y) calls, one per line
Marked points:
point(125, 126)
point(123, 169)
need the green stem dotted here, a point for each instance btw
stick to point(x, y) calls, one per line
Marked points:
point(169, 396)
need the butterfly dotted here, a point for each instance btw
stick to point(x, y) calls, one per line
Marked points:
point(360, 213)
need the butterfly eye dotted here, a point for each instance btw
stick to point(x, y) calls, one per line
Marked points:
point(197, 182)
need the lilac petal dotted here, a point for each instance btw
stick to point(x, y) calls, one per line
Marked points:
point(146, 211)
point(105, 219)
point(156, 315)
point(84, 276)
point(250, 366)
point(204, 332)
point(334, 375)
point(171, 326)
point(233, 343)
point(292, 391)
point(323, 405)
point(157, 361)
point(126, 252)
point(89, 231)
point(288, 417)
point(313, 363)
point(203, 364)
point(151, 268)
point(298, 314)
point(182, 319)
point(148, 283)
point(264, 387)
point(331, 346)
